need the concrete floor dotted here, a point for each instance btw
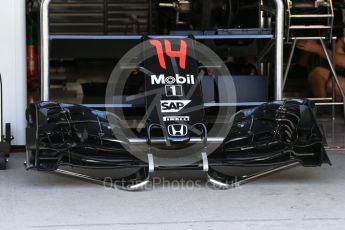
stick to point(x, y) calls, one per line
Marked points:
point(298, 198)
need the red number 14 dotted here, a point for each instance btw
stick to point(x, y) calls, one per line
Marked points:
point(180, 54)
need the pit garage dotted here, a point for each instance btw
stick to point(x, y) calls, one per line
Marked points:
point(131, 114)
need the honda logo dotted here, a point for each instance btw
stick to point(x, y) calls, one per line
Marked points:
point(177, 130)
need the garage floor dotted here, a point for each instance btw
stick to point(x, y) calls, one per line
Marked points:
point(298, 198)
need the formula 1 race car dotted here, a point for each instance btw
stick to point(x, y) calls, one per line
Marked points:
point(177, 132)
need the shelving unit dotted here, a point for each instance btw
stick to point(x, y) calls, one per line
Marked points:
point(72, 42)
point(115, 46)
point(97, 17)
point(313, 31)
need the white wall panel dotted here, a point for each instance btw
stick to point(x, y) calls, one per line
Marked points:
point(13, 65)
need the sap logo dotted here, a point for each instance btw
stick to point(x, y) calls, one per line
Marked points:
point(176, 118)
point(170, 80)
point(177, 130)
point(170, 106)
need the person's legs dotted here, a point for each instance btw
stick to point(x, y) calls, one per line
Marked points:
point(304, 57)
point(318, 78)
point(337, 91)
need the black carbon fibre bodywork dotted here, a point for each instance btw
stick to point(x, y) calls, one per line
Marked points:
point(270, 135)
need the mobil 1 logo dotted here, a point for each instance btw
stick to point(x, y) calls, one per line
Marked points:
point(173, 90)
point(173, 84)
